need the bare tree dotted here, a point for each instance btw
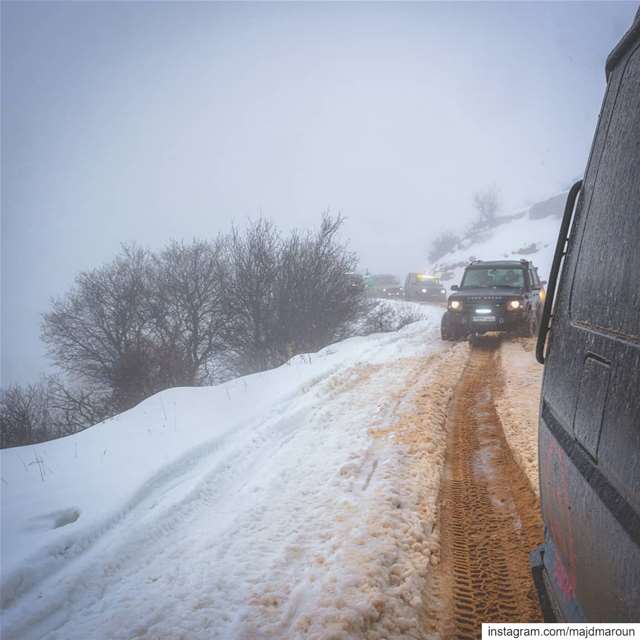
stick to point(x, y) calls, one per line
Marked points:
point(196, 313)
point(24, 415)
point(99, 331)
point(317, 291)
point(487, 205)
point(188, 310)
point(74, 408)
point(287, 295)
point(48, 409)
point(250, 296)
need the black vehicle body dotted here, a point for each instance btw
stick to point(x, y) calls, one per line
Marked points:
point(514, 307)
point(384, 286)
point(589, 430)
point(422, 287)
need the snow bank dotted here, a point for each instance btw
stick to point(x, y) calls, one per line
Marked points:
point(391, 315)
point(518, 403)
point(292, 503)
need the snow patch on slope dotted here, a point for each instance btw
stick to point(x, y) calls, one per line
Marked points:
point(530, 235)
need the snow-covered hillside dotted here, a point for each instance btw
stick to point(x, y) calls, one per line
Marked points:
point(530, 235)
point(297, 502)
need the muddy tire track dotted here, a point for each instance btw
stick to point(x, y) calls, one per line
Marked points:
point(489, 517)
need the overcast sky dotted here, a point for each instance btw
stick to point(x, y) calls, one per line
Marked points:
point(143, 122)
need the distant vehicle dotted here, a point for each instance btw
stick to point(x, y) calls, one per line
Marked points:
point(502, 295)
point(384, 286)
point(588, 569)
point(356, 281)
point(420, 286)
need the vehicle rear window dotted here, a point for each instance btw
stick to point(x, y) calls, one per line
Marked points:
point(606, 288)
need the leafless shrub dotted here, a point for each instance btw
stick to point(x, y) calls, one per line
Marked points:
point(287, 295)
point(197, 313)
point(318, 292)
point(24, 415)
point(142, 323)
point(187, 311)
point(384, 318)
point(407, 315)
point(250, 296)
point(48, 409)
point(74, 408)
point(380, 319)
point(99, 331)
point(444, 243)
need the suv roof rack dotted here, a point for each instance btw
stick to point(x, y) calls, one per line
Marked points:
point(502, 262)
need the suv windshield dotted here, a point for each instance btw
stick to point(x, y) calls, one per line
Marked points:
point(512, 278)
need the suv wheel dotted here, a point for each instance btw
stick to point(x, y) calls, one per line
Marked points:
point(529, 328)
point(445, 330)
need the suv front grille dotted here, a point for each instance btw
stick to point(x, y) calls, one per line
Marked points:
point(496, 302)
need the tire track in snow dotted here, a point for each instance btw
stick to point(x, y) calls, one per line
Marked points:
point(490, 518)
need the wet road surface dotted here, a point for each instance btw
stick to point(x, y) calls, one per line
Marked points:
point(489, 517)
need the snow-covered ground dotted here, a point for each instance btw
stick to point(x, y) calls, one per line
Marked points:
point(293, 503)
point(518, 403)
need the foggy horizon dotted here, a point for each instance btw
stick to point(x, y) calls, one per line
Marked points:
point(136, 122)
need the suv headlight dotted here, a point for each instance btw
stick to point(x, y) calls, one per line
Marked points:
point(512, 305)
point(455, 305)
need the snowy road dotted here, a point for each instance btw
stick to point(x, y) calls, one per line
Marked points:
point(293, 503)
point(490, 517)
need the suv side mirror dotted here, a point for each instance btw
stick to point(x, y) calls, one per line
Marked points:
point(543, 282)
point(454, 287)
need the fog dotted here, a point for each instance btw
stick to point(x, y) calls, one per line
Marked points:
point(142, 122)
